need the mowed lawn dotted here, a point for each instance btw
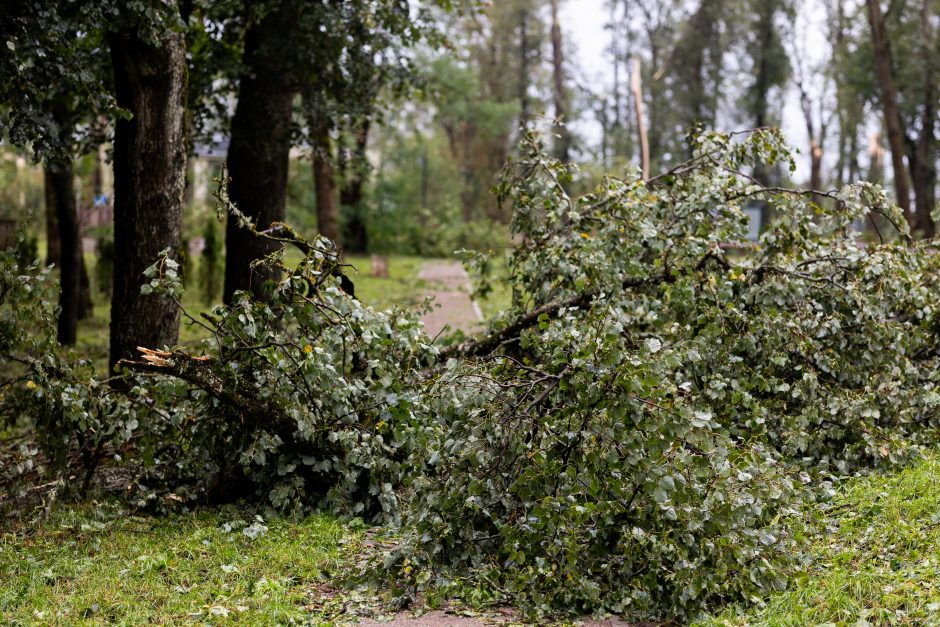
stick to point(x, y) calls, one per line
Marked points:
point(101, 564)
point(872, 557)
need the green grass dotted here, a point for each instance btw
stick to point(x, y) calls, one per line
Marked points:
point(98, 564)
point(875, 554)
point(402, 287)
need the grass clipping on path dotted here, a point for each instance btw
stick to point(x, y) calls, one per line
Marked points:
point(875, 557)
point(223, 566)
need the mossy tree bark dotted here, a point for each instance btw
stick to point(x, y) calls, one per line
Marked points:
point(149, 174)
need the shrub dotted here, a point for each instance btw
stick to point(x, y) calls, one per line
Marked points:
point(49, 388)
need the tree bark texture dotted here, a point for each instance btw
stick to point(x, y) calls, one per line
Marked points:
point(324, 180)
point(356, 235)
point(923, 154)
point(149, 174)
point(52, 223)
point(60, 193)
point(259, 149)
point(637, 88)
point(889, 104)
point(85, 304)
point(563, 142)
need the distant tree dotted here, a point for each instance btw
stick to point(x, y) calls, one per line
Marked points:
point(290, 50)
point(901, 45)
point(889, 101)
point(53, 92)
point(769, 65)
point(559, 89)
point(697, 67)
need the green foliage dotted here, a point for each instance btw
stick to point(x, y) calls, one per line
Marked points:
point(637, 432)
point(308, 396)
point(641, 448)
point(52, 390)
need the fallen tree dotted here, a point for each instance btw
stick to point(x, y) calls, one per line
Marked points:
point(633, 434)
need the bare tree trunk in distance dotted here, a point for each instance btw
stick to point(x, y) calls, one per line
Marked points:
point(353, 191)
point(563, 143)
point(149, 173)
point(52, 223)
point(60, 192)
point(523, 77)
point(324, 180)
point(636, 84)
point(889, 103)
point(924, 161)
point(259, 150)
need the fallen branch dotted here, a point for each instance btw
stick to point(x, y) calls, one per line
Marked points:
point(486, 345)
point(198, 372)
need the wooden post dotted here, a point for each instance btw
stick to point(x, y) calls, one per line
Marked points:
point(636, 86)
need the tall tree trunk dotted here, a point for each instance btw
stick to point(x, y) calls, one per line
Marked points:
point(563, 143)
point(259, 150)
point(815, 140)
point(523, 79)
point(889, 103)
point(149, 173)
point(351, 194)
point(637, 87)
point(924, 162)
point(816, 159)
point(85, 304)
point(324, 180)
point(60, 192)
point(762, 84)
point(53, 245)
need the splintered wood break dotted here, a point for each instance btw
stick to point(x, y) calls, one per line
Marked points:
point(155, 357)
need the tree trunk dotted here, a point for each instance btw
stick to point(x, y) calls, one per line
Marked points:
point(350, 196)
point(53, 245)
point(563, 143)
point(60, 193)
point(889, 103)
point(149, 172)
point(637, 87)
point(325, 182)
point(523, 79)
point(924, 163)
point(85, 304)
point(259, 150)
point(816, 159)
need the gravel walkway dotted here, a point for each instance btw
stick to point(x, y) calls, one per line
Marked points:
point(453, 306)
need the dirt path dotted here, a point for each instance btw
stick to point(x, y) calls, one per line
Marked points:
point(453, 306)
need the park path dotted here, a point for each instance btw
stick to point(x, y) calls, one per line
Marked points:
point(450, 286)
